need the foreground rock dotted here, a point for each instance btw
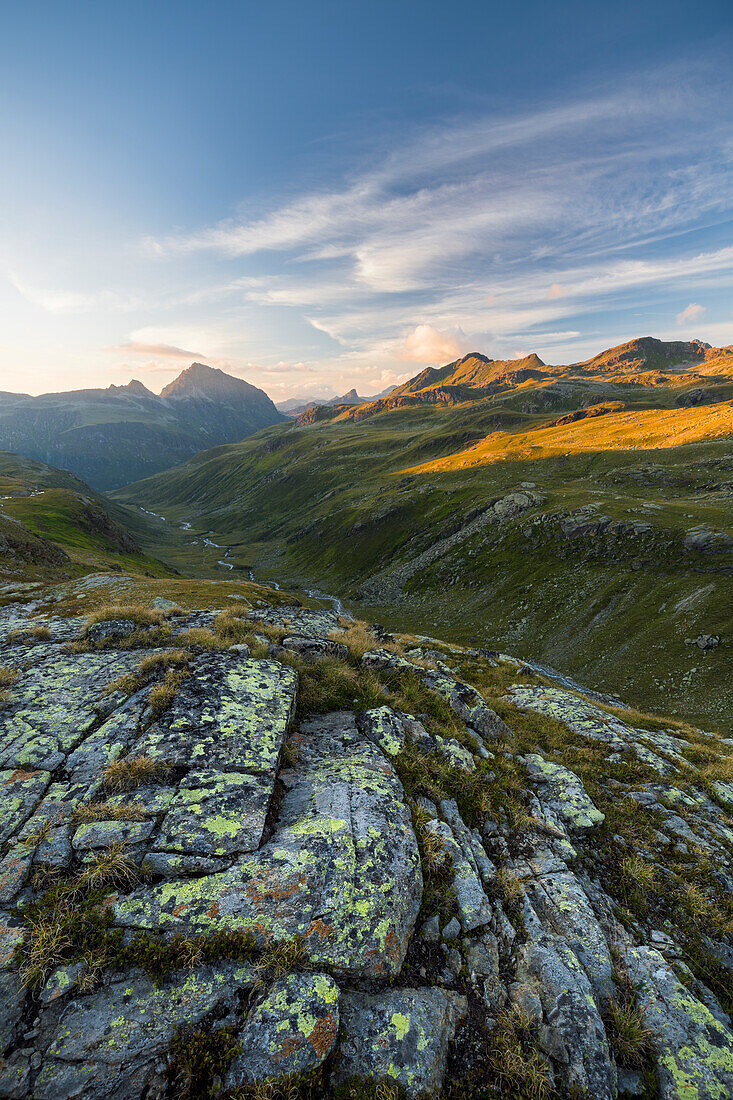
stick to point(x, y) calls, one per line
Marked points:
point(359, 897)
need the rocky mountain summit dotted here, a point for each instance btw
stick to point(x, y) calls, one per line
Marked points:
point(269, 851)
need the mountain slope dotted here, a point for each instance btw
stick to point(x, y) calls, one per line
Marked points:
point(113, 436)
point(608, 554)
point(50, 520)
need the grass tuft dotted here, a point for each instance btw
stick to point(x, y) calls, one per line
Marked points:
point(133, 771)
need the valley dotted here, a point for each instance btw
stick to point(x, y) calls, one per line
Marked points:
point(531, 514)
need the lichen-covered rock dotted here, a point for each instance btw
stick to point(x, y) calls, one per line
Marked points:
point(474, 907)
point(385, 728)
point(561, 904)
point(110, 630)
point(401, 1034)
point(694, 1049)
point(572, 1034)
point(20, 793)
point(314, 649)
point(109, 1044)
point(293, 1030)
point(469, 705)
point(564, 792)
point(54, 704)
point(342, 869)
point(228, 714)
point(215, 814)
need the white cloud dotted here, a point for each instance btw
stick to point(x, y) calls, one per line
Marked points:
point(693, 312)
point(556, 291)
point(426, 345)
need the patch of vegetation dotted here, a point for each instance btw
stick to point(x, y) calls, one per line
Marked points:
point(132, 771)
point(331, 684)
point(163, 694)
point(108, 811)
point(148, 668)
point(503, 1061)
point(135, 613)
point(200, 1059)
point(357, 1088)
point(8, 676)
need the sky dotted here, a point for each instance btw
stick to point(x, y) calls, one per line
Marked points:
point(315, 196)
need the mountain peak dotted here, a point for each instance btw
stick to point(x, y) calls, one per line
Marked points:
point(202, 381)
point(132, 387)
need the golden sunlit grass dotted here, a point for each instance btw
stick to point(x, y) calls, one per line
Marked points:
point(640, 429)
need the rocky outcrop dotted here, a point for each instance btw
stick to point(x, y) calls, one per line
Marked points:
point(355, 895)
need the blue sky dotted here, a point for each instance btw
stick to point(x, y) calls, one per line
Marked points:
point(321, 195)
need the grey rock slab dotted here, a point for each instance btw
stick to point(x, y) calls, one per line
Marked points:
point(385, 728)
point(108, 1044)
point(564, 792)
point(342, 869)
point(216, 814)
point(228, 714)
point(468, 704)
point(54, 704)
point(111, 630)
point(314, 649)
point(694, 1050)
point(11, 1000)
point(473, 904)
point(292, 1030)
point(401, 1034)
point(100, 834)
point(573, 1034)
point(20, 793)
point(560, 902)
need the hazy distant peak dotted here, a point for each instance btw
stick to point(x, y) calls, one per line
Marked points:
point(134, 386)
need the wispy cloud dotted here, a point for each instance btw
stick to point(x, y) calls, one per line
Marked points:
point(160, 351)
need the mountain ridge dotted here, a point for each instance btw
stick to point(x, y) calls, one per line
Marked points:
point(112, 436)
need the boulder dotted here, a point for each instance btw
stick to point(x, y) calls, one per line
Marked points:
point(293, 1030)
point(402, 1034)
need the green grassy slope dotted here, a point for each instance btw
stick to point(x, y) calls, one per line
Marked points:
point(51, 522)
point(595, 578)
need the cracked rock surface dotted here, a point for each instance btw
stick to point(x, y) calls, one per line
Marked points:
point(467, 883)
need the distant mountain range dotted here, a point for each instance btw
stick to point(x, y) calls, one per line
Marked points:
point(112, 436)
point(295, 406)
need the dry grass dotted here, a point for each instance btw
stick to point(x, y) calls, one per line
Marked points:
point(509, 887)
point(149, 667)
point(114, 867)
point(40, 834)
point(46, 941)
point(515, 1060)
point(280, 959)
point(163, 694)
point(231, 628)
point(33, 633)
point(198, 637)
point(135, 613)
point(107, 811)
point(8, 676)
point(133, 771)
point(639, 874)
point(628, 1032)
